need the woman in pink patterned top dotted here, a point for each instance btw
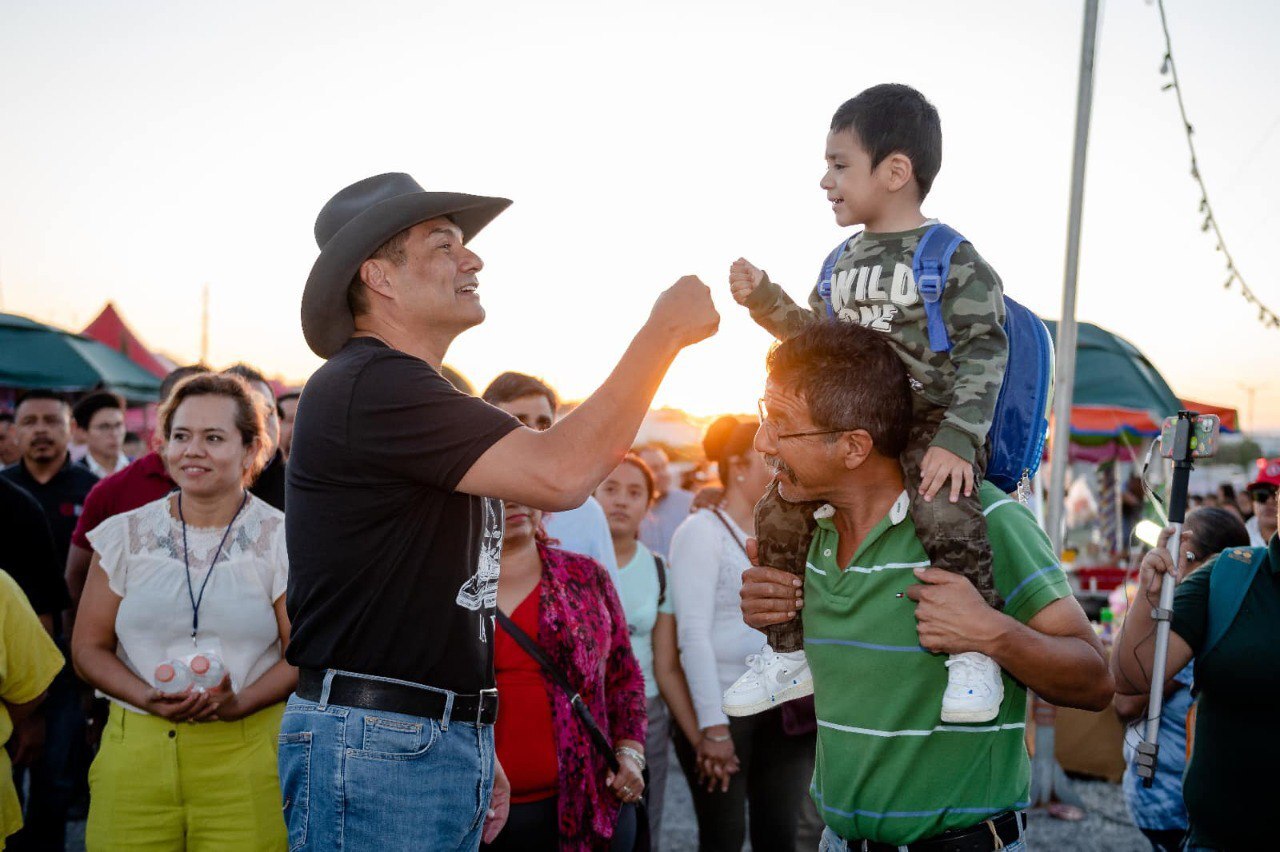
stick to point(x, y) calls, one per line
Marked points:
point(563, 795)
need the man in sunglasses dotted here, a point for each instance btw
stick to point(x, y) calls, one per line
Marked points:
point(1262, 491)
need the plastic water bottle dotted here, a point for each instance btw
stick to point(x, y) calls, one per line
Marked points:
point(208, 670)
point(173, 677)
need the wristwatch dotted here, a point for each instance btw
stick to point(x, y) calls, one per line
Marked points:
point(628, 751)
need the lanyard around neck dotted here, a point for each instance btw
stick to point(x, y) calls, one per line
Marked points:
point(186, 561)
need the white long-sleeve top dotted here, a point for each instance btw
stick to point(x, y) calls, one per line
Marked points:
point(707, 562)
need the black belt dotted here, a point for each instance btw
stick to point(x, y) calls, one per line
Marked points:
point(977, 838)
point(356, 691)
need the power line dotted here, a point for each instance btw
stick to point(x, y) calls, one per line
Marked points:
point(1266, 316)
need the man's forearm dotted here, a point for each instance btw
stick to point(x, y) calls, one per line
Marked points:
point(591, 441)
point(1064, 670)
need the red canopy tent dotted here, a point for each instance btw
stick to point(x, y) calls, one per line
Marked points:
point(1230, 419)
point(111, 329)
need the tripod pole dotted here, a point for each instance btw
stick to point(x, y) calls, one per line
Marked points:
point(1149, 749)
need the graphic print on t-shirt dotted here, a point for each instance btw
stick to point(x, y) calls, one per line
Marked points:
point(480, 592)
point(860, 295)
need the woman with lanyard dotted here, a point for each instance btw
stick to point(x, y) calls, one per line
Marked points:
point(197, 576)
point(564, 796)
point(644, 585)
point(750, 762)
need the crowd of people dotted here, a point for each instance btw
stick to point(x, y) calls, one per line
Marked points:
point(388, 613)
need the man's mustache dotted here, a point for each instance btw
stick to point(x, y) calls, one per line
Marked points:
point(777, 465)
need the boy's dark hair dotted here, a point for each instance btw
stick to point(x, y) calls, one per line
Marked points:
point(251, 375)
point(893, 118)
point(84, 410)
point(510, 385)
point(850, 378)
point(39, 393)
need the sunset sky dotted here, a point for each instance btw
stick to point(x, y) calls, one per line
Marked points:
point(149, 148)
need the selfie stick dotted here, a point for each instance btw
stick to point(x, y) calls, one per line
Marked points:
point(1182, 454)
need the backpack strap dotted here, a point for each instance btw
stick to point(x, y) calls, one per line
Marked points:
point(829, 272)
point(931, 266)
point(661, 565)
point(1233, 574)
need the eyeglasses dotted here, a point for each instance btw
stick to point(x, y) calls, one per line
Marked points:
point(106, 428)
point(1263, 494)
point(763, 410)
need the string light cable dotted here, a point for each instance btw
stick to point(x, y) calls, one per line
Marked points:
point(1169, 68)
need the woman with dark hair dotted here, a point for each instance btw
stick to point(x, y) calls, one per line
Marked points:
point(1158, 811)
point(1226, 617)
point(200, 574)
point(749, 762)
point(563, 795)
point(644, 585)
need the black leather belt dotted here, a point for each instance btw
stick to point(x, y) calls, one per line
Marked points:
point(977, 838)
point(355, 691)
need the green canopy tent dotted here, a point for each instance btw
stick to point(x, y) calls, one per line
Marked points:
point(1111, 371)
point(35, 355)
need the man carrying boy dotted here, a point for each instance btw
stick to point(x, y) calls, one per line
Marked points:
point(883, 152)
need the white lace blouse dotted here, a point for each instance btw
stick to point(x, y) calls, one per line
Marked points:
point(142, 554)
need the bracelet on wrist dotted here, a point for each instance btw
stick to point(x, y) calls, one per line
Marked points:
point(627, 751)
point(716, 738)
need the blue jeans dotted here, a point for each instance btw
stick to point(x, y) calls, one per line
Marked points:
point(355, 779)
point(832, 842)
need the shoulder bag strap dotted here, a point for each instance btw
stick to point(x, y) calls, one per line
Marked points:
point(598, 739)
point(732, 534)
point(660, 565)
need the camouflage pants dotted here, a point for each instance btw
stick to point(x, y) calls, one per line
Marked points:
point(953, 534)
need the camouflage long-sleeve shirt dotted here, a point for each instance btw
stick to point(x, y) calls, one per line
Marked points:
point(873, 286)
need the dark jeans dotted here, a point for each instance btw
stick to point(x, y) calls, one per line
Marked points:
point(60, 772)
point(1164, 839)
point(532, 826)
point(535, 827)
point(773, 783)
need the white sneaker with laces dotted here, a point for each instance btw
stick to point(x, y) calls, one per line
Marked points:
point(974, 688)
point(771, 679)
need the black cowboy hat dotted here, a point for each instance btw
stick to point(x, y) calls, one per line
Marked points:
point(353, 224)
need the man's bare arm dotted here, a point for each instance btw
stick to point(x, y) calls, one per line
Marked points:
point(1058, 656)
point(1056, 653)
point(558, 469)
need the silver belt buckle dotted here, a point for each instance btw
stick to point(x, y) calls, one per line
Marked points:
point(484, 693)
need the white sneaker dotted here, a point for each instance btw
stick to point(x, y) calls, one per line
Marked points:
point(771, 679)
point(974, 688)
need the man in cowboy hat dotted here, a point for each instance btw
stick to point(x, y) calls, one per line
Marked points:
point(395, 522)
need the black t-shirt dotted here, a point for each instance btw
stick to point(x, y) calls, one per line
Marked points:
point(27, 551)
point(62, 498)
point(1229, 785)
point(391, 571)
point(269, 486)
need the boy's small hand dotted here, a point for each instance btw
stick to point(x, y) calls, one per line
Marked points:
point(743, 280)
point(938, 466)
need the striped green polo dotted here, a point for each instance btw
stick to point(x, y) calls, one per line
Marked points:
point(887, 768)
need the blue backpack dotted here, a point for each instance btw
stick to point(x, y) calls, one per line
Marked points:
point(1021, 421)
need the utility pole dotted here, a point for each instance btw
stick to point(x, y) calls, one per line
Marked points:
point(1048, 781)
point(204, 325)
point(1250, 391)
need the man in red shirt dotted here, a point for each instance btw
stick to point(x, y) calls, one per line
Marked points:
point(137, 485)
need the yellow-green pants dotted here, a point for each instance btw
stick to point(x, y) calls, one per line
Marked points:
point(161, 785)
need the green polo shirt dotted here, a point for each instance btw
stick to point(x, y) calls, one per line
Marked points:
point(1229, 784)
point(887, 768)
